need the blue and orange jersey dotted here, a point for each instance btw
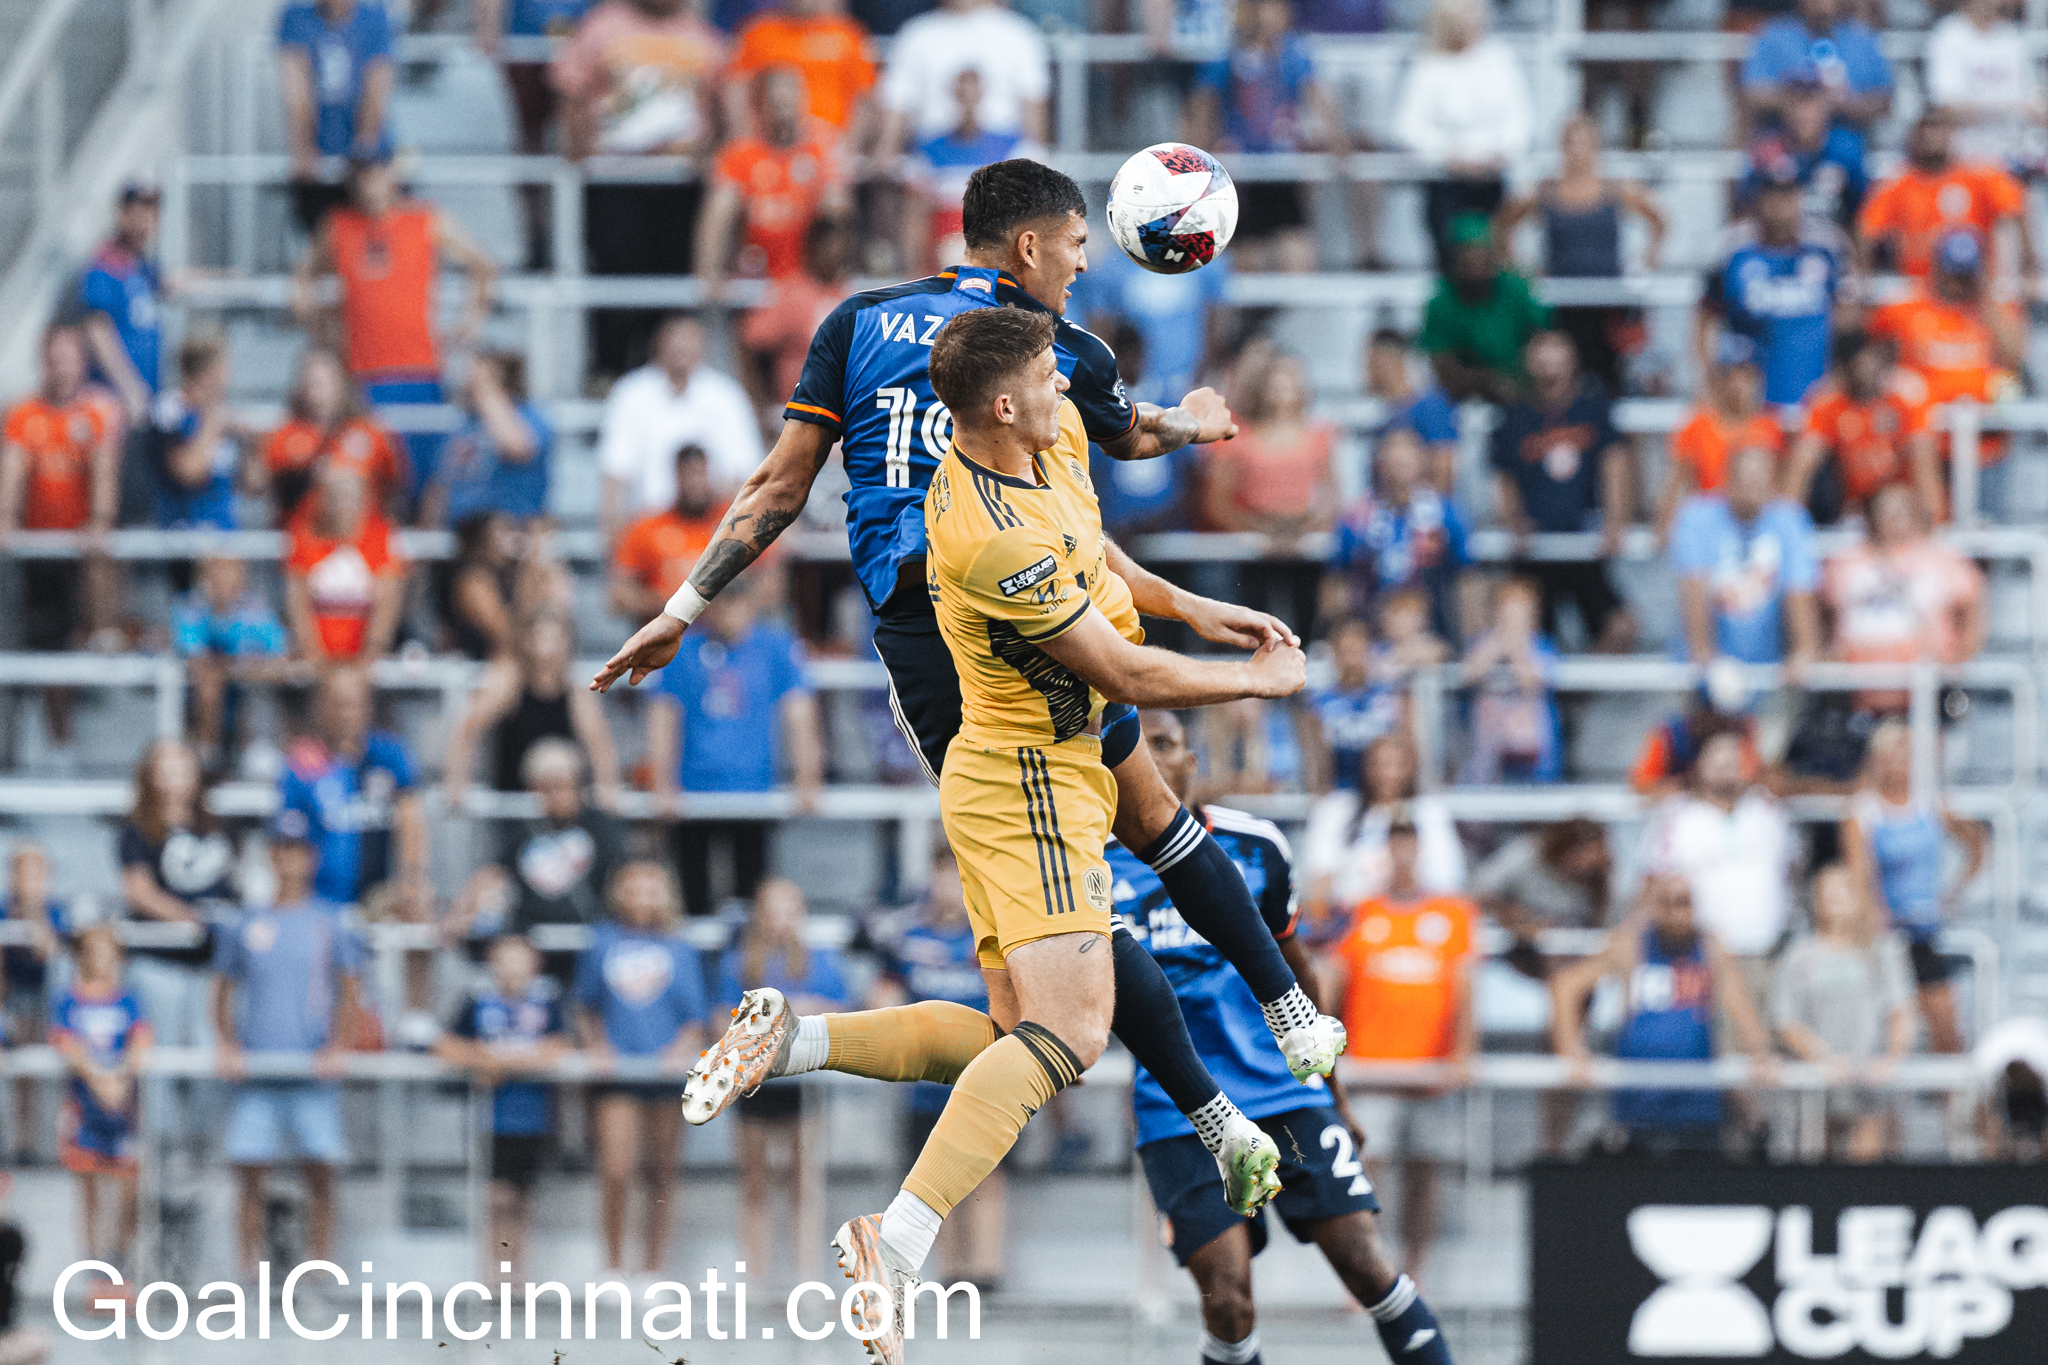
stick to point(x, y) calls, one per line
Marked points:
point(865, 382)
point(105, 1024)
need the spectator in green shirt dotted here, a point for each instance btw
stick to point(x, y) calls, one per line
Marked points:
point(1480, 317)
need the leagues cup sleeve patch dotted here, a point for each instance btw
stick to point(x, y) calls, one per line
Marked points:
point(1028, 578)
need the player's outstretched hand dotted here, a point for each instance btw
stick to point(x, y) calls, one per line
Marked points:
point(652, 647)
point(1278, 670)
point(1211, 414)
point(1226, 623)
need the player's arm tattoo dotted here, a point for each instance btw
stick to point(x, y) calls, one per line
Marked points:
point(1158, 431)
point(742, 539)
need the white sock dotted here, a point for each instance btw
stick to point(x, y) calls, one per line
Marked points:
point(1292, 1010)
point(809, 1048)
point(1212, 1119)
point(909, 1226)
point(1230, 1352)
point(1397, 1301)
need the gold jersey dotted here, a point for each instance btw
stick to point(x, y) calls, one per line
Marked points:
point(1012, 563)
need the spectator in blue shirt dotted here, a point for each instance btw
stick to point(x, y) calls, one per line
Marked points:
point(1747, 570)
point(934, 958)
point(1263, 97)
point(1841, 51)
point(122, 300)
point(1777, 285)
point(498, 459)
point(1353, 711)
point(735, 694)
point(1428, 412)
point(225, 634)
point(1825, 158)
point(1141, 496)
point(334, 66)
point(1404, 534)
point(98, 1028)
point(1560, 466)
point(774, 951)
point(286, 980)
point(640, 995)
point(512, 1023)
point(198, 443)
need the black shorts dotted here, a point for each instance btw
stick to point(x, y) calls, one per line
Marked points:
point(924, 686)
point(1268, 206)
point(50, 603)
point(516, 1158)
point(1321, 1177)
point(1930, 966)
point(313, 200)
point(647, 1092)
point(1582, 583)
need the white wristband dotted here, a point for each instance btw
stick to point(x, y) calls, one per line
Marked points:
point(687, 605)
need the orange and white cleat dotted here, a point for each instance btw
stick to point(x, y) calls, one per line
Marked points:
point(753, 1050)
point(865, 1261)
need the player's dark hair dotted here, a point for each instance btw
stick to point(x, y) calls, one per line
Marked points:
point(980, 348)
point(1004, 196)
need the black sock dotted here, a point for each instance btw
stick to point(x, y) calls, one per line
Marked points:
point(1408, 1329)
point(1211, 896)
point(1148, 1022)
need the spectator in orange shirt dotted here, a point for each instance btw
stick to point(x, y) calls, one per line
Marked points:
point(825, 46)
point(344, 581)
point(656, 553)
point(387, 249)
point(775, 182)
point(1864, 432)
point(775, 338)
point(1276, 475)
point(1902, 596)
point(1953, 344)
point(1903, 220)
point(1733, 418)
point(326, 425)
point(1406, 968)
point(60, 471)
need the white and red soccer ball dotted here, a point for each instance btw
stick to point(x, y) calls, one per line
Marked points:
point(1172, 208)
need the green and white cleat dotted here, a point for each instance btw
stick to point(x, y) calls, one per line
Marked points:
point(1313, 1049)
point(1250, 1163)
point(753, 1050)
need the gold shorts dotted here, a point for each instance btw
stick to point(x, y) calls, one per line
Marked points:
point(1028, 828)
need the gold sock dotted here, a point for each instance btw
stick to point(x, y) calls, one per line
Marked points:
point(932, 1041)
point(992, 1101)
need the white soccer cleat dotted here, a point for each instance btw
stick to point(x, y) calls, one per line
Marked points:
point(1250, 1163)
point(1313, 1049)
point(752, 1051)
point(861, 1256)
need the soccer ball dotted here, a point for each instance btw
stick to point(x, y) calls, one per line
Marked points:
point(1172, 208)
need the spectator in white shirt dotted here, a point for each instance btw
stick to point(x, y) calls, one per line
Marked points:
point(672, 401)
point(1344, 859)
point(933, 49)
point(1735, 846)
point(1979, 69)
point(1464, 107)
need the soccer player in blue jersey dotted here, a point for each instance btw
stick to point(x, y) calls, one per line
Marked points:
point(865, 386)
point(1326, 1196)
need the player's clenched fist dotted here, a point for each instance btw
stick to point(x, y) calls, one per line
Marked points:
point(1212, 416)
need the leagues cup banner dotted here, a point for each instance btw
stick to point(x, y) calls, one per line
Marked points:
point(1684, 1264)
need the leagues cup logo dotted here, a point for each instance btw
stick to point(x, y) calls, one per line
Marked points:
point(1886, 1290)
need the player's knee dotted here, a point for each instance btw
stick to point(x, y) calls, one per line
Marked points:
point(1227, 1309)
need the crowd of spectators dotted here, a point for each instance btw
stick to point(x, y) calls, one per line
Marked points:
point(1813, 407)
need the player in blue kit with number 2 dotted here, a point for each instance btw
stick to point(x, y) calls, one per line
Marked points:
point(865, 385)
point(1326, 1197)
